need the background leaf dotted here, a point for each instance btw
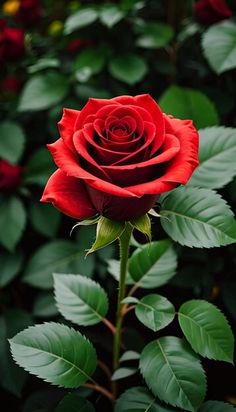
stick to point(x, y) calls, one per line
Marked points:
point(42, 91)
point(222, 57)
point(74, 403)
point(12, 141)
point(80, 299)
point(111, 15)
point(197, 217)
point(12, 221)
point(56, 353)
point(217, 158)
point(153, 265)
point(153, 35)
point(191, 104)
point(207, 330)
point(81, 18)
point(44, 218)
point(183, 382)
point(215, 406)
point(128, 68)
point(10, 264)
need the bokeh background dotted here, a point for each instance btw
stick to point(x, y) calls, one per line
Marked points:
point(56, 54)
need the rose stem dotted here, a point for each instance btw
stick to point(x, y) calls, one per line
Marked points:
point(105, 369)
point(109, 325)
point(124, 241)
point(100, 389)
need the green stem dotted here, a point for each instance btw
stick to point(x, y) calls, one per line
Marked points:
point(124, 255)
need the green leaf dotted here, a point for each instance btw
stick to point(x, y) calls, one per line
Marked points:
point(59, 256)
point(42, 91)
point(10, 265)
point(130, 299)
point(215, 406)
point(114, 269)
point(44, 305)
point(81, 18)
point(153, 265)
point(39, 167)
point(74, 403)
point(129, 355)
point(185, 103)
point(143, 224)
point(12, 141)
point(12, 221)
point(223, 57)
point(110, 15)
point(154, 35)
point(107, 232)
point(89, 61)
point(56, 353)
point(139, 399)
point(155, 311)
point(207, 330)
point(12, 377)
point(44, 219)
point(44, 63)
point(217, 158)
point(122, 373)
point(128, 68)
point(170, 360)
point(197, 218)
point(80, 299)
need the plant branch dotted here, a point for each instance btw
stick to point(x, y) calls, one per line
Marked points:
point(109, 325)
point(100, 389)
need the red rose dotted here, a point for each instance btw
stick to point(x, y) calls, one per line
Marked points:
point(10, 176)
point(11, 42)
point(11, 84)
point(75, 45)
point(116, 156)
point(29, 12)
point(211, 11)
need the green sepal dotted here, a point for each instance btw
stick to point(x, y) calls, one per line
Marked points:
point(86, 222)
point(143, 224)
point(107, 232)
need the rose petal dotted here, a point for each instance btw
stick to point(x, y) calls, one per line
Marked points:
point(69, 195)
point(68, 162)
point(66, 126)
point(91, 108)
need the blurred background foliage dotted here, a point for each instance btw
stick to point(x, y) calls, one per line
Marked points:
point(56, 54)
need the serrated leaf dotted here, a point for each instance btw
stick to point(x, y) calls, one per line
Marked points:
point(197, 218)
point(10, 265)
point(60, 256)
point(12, 221)
point(139, 399)
point(223, 57)
point(122, 373)
point(42, 91)
point(107, 232)
point(114, 270)
point(56, 353)
point(207, 330)
point(81, 18)
point(143, 225)
point(170, 360)
point(217, 158)
point(12, 141)
point(215, 406)
point(74, 403)
point(185, 103)
point(111, 15)
point(11, 322)
point(128, 68)
point(80, 299)
point(129, 355)
point(153, 265)
point(155, 311)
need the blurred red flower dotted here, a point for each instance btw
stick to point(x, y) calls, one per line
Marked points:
point(29, 12)
point(11, 42)
point(75, 45)
point(211, 11)
point(11, 84)
point(10, 176)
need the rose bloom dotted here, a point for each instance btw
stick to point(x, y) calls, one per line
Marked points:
point(29, 12)
point(11, 84)
point(10, 176)
point(211, 11)
point(116, 156)
point(11, 42)
point(75, 45)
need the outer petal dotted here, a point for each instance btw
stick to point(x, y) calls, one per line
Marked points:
point(69, 195)
point(67, 124)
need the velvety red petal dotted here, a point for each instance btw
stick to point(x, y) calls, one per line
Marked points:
point(67, 124)
point(91, 108)
point(68, 162)
point(69, 195)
